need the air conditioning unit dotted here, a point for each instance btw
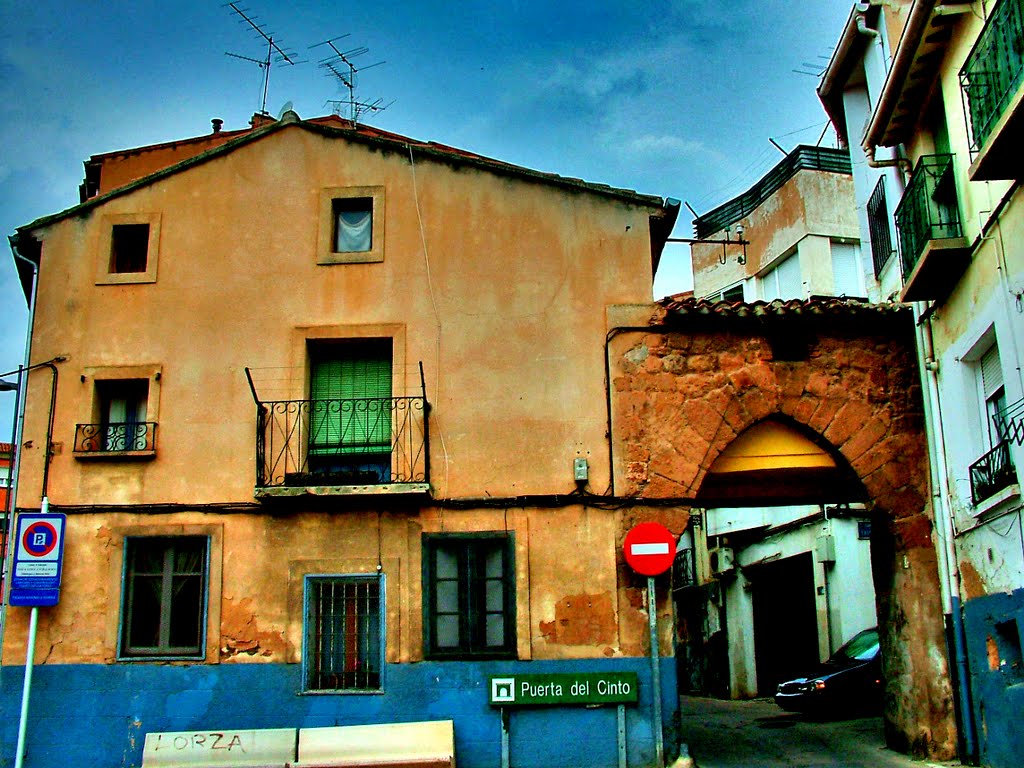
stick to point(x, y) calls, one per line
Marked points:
point(722, 560)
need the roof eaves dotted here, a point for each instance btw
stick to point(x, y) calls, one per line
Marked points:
point(378, 138)
point(454, 156)
point(210, 154)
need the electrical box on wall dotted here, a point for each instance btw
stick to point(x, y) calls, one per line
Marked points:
point(580, 470)
point(825, 549)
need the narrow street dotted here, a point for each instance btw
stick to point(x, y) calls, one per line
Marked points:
point(744, 734)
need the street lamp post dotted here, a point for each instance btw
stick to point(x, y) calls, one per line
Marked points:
point(8, 511)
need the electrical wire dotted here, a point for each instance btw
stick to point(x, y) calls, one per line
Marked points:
point(433, 304)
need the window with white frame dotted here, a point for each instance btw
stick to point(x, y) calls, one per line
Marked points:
point(993, 393)
point(846, 272)
point(784, 280)
point(343, 643)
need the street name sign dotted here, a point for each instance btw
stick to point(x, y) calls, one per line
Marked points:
point(650, 548)
point(38, 559)
point(564, 689)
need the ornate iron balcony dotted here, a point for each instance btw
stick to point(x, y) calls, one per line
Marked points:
point(928, 210)
point(1010, 423)
point(994, 70)
point(115, 438)
point(992, 472)
point(342, 442)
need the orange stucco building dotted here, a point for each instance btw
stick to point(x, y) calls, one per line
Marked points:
point(331, 417)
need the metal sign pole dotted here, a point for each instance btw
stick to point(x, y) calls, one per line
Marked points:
point(30, 654)
point(505, 725)
point(652, 620)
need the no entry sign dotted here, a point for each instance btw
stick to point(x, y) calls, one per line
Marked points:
point(650, 548)
point(38, 560)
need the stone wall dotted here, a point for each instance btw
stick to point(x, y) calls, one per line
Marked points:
point(683, 390)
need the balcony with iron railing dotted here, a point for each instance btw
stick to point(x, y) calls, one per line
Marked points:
point(1009, 423)
point(933, 250)
point(370, 445)
point(992, 85)
point(992, 473)
point(127, 440)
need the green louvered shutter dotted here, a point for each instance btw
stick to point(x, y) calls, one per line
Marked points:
point(350, 389)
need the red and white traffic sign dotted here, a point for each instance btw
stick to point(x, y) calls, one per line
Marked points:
point(650, 548)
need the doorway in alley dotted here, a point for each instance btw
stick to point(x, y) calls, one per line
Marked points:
point(785, 620)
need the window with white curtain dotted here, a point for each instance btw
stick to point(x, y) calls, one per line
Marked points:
point(353, 224)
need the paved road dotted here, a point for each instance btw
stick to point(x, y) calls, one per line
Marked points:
point(757, 734)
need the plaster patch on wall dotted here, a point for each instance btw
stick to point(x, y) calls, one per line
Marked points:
point(582, 620)
point(973, 585)
point(241, 635)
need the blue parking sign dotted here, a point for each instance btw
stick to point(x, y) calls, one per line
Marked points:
point(38, 559)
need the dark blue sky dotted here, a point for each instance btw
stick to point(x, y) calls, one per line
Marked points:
point(675, 98)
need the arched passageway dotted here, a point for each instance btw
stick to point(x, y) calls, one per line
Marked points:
point(839, 373)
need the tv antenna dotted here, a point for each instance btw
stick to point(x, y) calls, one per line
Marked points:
point(274, 51)
point(340, 66)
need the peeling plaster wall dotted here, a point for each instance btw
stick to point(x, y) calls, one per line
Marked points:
point(681, 395)
point(812, 206)
point(576, 597)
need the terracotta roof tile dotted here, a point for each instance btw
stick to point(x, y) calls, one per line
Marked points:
point(816, 306)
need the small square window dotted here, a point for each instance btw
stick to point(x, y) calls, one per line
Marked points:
point(343, 643)
point(469, 595)
point(129, 247)
point(163, 610)
point(351, 227)
point(353, 224)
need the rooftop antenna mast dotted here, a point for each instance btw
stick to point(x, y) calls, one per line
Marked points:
point(282, 56)
point(340, 66)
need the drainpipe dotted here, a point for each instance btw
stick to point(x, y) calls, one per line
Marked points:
point(949, 581)
point(896, 160)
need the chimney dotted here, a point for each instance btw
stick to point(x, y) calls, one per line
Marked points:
point(217, 123)
point(259, 119)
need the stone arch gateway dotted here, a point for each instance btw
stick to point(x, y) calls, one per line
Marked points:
point(842, 372)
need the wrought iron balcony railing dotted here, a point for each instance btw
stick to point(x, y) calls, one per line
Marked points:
point(928, 210)
point(1009, 423)
point(342, 442)
point(992, 472)
point(994, 70)
point(115, 438)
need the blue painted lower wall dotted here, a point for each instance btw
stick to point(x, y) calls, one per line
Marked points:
point(94, 715)
point(995, 628)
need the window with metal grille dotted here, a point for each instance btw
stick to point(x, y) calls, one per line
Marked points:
point(343, 648)
point(469, 596)
point(878, 228)
point(163, 611)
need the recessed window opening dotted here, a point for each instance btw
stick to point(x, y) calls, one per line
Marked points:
point(164, 596)
point(470, 593)
point(344, 646)
point(122, 406)
point(353, 224)
point(350, 422)
point(994, 392)
point(129, 248)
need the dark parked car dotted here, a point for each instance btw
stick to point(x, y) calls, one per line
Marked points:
point(849, 681)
